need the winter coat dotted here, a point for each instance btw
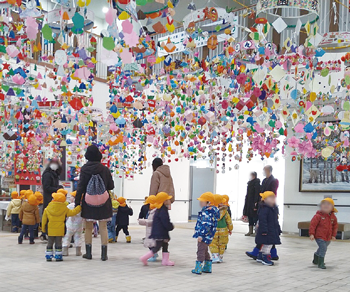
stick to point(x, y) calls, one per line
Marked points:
point(14, 207)
point(148, 242)
point(224, 223)
point(144, 211)
point(28, 214)
point(123, 215)
point(161, 224)
point(269, 230)
point(270, 184)
point(94, 213)
point(206, 223)
point(54, 218)
point(324, 226)
point(162, 181)
point(51, 183)
point(252, 198)
point(74, 223)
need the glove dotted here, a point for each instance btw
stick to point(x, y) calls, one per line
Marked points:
point(7, 218)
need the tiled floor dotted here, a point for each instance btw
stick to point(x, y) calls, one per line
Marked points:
point(23, 268)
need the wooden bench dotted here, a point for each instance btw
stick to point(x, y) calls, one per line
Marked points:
point(343, 229)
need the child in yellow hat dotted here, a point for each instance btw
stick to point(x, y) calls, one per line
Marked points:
point(148, 221)
point(74, 228)
point(204, 232)
point(323, 229)
point(223, 229)
point(160, 229)
point(122, 220)
point(13, 211)
point(111, 225)
point(268, 230)
point(53, 224)
point(29, 215)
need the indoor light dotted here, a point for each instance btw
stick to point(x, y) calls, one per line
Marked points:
point(105, 9)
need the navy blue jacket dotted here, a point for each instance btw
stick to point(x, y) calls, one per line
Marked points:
point(161, 224)
point(270, 184)
point(268, 224)
point(144, 211)
point(123, 215)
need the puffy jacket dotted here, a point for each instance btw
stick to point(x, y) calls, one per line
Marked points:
point(54, 218)
point(161, 224)
point(148, 242)
point(224, 223)
point(162, 181)
point(29, 215)
point(206, 223)
point(324, 226)
point(14, 207)
point(269, 230)
point(74, 223)
point(123, 215)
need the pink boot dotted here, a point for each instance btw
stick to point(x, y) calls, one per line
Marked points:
point(165, 259)
point(146, 257)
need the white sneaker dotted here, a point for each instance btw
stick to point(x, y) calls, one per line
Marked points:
point(216, 258)
point(221, 258)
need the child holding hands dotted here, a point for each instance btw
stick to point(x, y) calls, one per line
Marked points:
point(323, 229)
point(204, 232)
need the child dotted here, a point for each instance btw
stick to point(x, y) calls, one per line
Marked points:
point(122, 219)
point(111, 225)
point(144, 209)
point(223, 229)
point(160, 229)
point(53, 224)
point(204, 232)
point(323, 228)
point(13, 211)
point(29, 215)
point(74, 227)
point(268, 230)
point(149, 242)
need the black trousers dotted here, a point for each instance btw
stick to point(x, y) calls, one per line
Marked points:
point(161, 244)
point(252, 220)
point(120, 227)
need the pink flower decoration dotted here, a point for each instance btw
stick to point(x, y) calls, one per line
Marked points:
point(293, 142)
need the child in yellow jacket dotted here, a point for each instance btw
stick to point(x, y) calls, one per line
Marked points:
point(53, 224)
point(13, 212)
point(224, 228)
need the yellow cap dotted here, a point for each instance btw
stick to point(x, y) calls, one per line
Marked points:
point(39, 197)
point(22, 194)
point(14, 195)
point(160, 199)
point(266, 194)
point(330, 200)
point(32, 200)
point(73, 194)
point(226, 199)
point(62, 191)
point(122, 201)
point(218, 199)
point(59, 197)
point(28, 193)
point(207, 197)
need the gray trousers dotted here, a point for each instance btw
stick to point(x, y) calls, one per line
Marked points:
point(57, 240)
point(202, 252)
point(322, 247)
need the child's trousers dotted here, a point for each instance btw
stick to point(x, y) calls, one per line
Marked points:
point(23, 231)
point(54, 240)
point(322, 247)
point(111, 227)
point(218, 245)
point(202, 252)
point(164, 244)
point(76, 234)
point(120, 227)
point(15, 222)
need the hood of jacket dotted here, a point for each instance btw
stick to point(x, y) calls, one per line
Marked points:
point(28, 208)
point(164, 170)
point(56, 209)
point(17, 202)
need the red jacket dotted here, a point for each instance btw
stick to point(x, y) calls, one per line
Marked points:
point(324, 226)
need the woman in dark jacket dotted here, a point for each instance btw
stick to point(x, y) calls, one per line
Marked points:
point(50, 180)
point(102, 213)
point(251, 202)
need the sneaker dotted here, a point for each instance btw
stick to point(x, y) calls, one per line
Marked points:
point(32, 242)
point(266, 260)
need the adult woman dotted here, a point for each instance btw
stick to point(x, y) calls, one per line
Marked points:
point(103, 213)
point(161, 180)
point(50, 180)
point(251, 202)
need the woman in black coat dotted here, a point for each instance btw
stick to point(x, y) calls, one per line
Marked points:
point(251, 202)
point(102, 213)
point(50, 180)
